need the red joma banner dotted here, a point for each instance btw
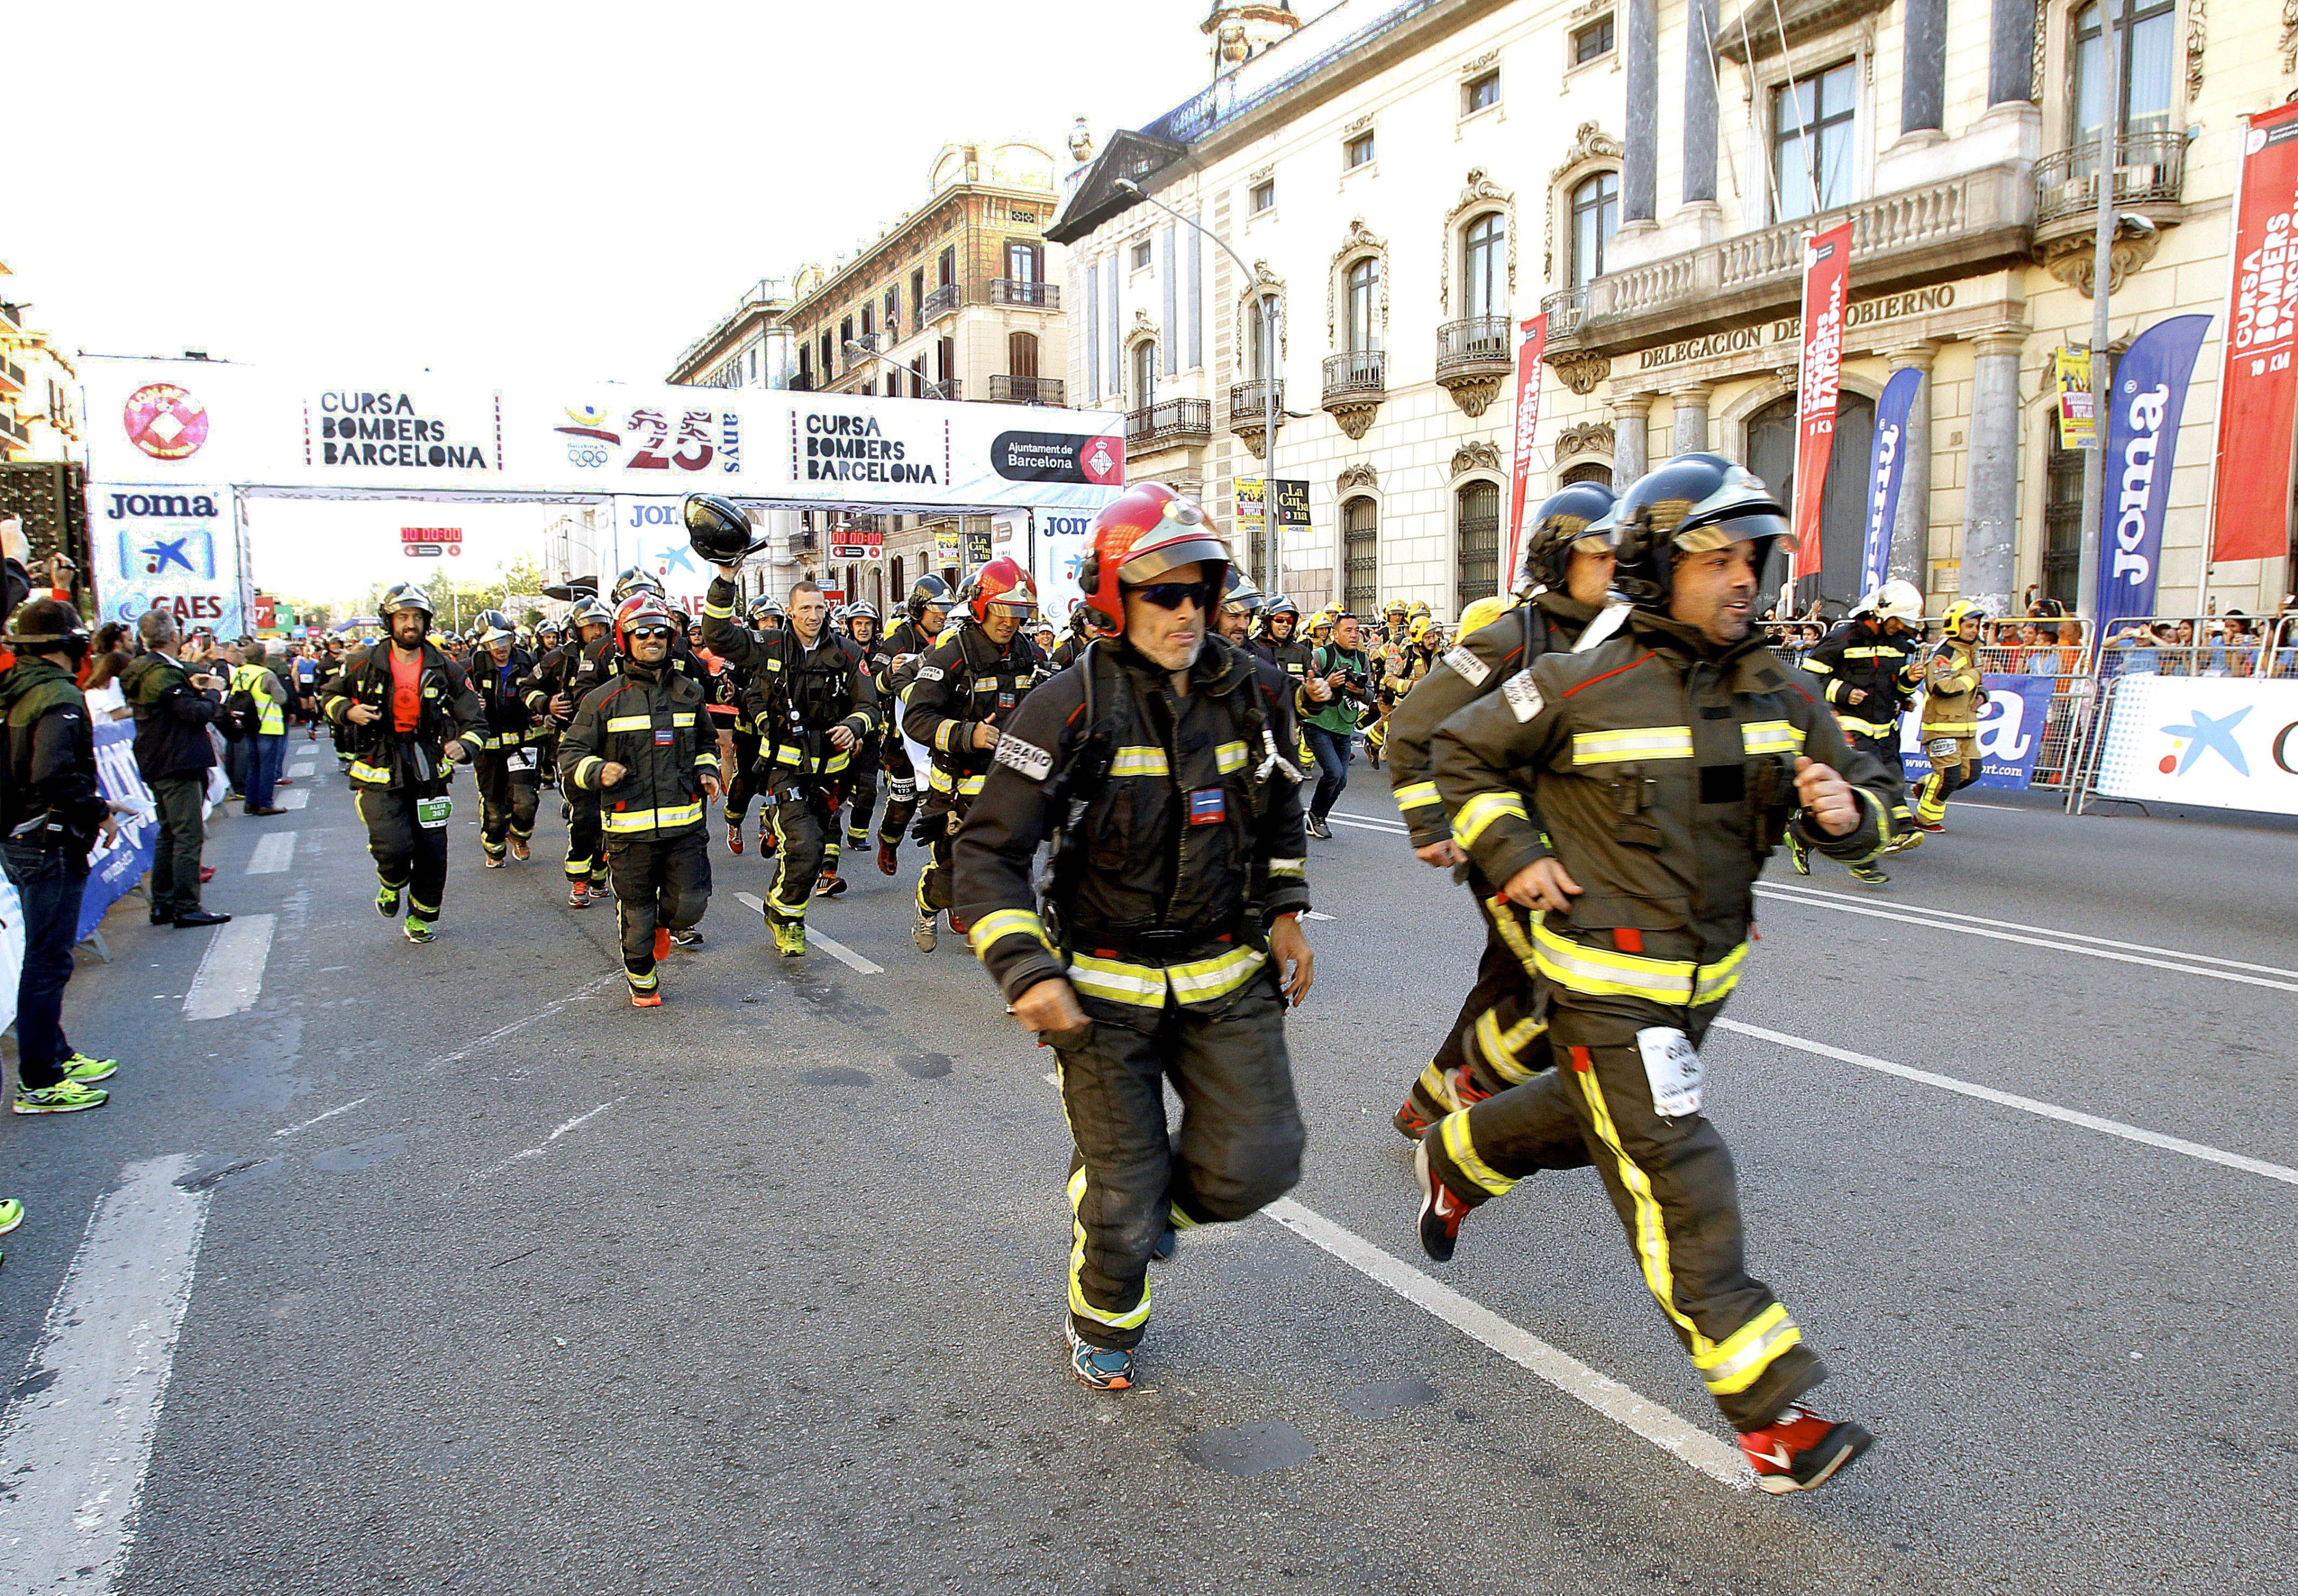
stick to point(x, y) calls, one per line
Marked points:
point(1527, 422)
point(2250, 480)
point(1826, 282)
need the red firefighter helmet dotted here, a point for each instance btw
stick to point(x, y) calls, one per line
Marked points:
point(1146, 532)
point(641, 605)
point(1002, 584)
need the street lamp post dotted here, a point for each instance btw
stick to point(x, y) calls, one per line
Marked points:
point(1268, 312)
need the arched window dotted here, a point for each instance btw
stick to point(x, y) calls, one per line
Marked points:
point(1842, 512)
point(1594, 471)
point(2146, 68)
point(1263, 363)
point(1476, 523)
point(897, 589)
point(1595, 217)
point(1145, 373)
point(1361, 556)
point(1361, 328)
point(1022, 354)
point(1483, 265)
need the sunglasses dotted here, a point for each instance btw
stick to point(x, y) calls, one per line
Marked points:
point(1172, 595)
point(663, 634)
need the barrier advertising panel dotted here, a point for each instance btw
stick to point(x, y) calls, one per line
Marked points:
point(2010, 732)
point(2218, 741)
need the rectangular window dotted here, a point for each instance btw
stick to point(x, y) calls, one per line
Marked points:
point(1264, 195)
point(1812, 128)
point(893, 315)
point(1023, 263)
point(1480, 93)
point(1358, 151)
point(1593, 41)
point(918, 292)
point(844, 334)
point(1141, 256)
point(869, 321)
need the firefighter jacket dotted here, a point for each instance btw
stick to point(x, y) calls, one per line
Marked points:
point(509, 701)
point(1292, 658)
point(1549, 623)
point(904, 649)
point(1176, 835)
point(385, 759)
point(572, 669)
point(1403, 669)
point(1856, 656)
point(1662, 777)
point(1952, 693)
point(1066, 650)
point(802, 691)
point(967, 681)
point(651, 721)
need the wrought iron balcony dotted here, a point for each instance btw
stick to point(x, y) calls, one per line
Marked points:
point(12, 377)
point(1171, 423)
point(948, 390)
point(1566, 312)
point(1247, 417)
point(1478, 346)
point(2153, 171)
point(942, 301)
point(1356, 374)
point(1025, 390)
point(1013, 291)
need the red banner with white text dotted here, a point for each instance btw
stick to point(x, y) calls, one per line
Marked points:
point(1826, 284)
point(1527, 422)
point(2250, 518)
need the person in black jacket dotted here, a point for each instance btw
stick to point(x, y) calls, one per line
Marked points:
point(564, 676)
point(925, 613)
point(405, 708)
point(173, 710)
point(508, 763)
point(1171, 941)
point(52, 811)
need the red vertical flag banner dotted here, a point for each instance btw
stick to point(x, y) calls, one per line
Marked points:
point(1826, 281)
point(1527, 422)
point(2250, 517)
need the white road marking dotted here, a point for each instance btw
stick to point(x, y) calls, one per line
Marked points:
point(2059, 942)
point(588, 989)
point(539, 1149)
point(294, 797)
point(1674, 1435)
point(74, 1452)
point(2049, 1110)
point(1054, 1081)
point(315, 1119)
point(275, 851)
point(231, 972)
point(830, 945)
point(304, 768)
point(1369, 825)
point(1313, 915)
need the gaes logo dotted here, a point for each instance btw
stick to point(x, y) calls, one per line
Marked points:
point(165, 421)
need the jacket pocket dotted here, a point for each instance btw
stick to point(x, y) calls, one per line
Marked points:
point(1600, 910)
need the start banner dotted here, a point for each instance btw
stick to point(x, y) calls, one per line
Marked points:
point(2010, 732)
point(2221, 742)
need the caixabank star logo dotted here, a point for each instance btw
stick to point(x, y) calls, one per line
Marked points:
point(2200, 735)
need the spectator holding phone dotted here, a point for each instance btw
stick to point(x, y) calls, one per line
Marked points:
point(1339, 690)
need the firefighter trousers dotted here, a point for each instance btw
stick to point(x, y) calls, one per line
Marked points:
point(1955, 765)
point(510, 785)
point(1885, 751)
point(409, 856)
point(583, 861)
point(745, 784)
point(659, 883)
point(936, 881)
point(901, 791)
point(1237, 1150)
point(861, 796)
point(1500, 1036)
point(804, 814)
point(1670, 1178)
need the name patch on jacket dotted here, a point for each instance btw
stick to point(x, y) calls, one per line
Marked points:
point(1208, 807)
point(1524, 699)
point(1026, 757)
point(1466, 665)
point(930, 672)
point(662, 737)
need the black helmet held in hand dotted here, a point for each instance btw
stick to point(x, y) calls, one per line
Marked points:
point(718, 531)
point(1566, 516)
point(1693, 503)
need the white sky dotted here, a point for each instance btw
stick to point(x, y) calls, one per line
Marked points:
point(577, 189)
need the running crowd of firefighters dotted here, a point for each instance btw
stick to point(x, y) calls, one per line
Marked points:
point(1606, 756)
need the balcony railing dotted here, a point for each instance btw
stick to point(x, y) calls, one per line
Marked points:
point(1476, 344)
point(942, 301)
point(1014, 291)
point(1172, 424)
point(1566, 312)
point(948, 390)
point(1358, 373)
point(12, 377)
point(1245, 401)
point(1025, 390)
point(2153, 171)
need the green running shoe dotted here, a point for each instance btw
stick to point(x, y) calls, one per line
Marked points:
point(1799, 855)
point(419, 931)
point(1867, 875)
point(11, 1214)
point(386, 902)
point(64, 1098)
point(1099, 1367)
point(88, 1071)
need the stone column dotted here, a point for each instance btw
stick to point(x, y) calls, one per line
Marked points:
point(1630, 438)
point(2011, 52)
point(1690, 431)
point(1922, 77)
point(1990, 497)
point(1640, 161)
point(1911, 531)
point(1700, 103)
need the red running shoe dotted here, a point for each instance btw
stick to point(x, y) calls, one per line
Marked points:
point(956, 923)
point(1466, 1092)
point(735, 837)
point(1440, 1211)
point(661, 943)
point(886, 863)
point(647, 1000)
point(1800, 1450)
point(1410, 1121)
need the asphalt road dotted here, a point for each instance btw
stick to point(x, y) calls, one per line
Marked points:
point(486, 1281)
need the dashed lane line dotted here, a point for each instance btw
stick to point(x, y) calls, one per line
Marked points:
point(2049, 1110)
point(830, 945)
point(1367, 825)
point(294, 797)
point(75, 1444)
point(340, 1109)
point(301, 768)
point(230, 978)
point(540, 1148)
point(275, 851)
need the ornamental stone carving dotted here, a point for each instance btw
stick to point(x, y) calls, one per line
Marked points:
point(1580, 370)
point(1590, 437)
point(1354, 417)
point(1481, 193)
point(2073, 260)
point(1361, 242)
point(1592, 143)
point(1478, 454)
point(1360, 476)
point(1473, 395)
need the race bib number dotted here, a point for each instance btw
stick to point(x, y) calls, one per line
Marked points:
point(1524, 699)
point(1672, 1066)
point(1467, 665)
point(1026, 757)
point(930, 672)
point(1940, 747)
point(431, 812)
point(521, 759)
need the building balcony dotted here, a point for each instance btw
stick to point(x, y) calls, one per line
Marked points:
point(1959, 226)
point(1172, 424)
point(2149, 189)
point(1036, 295)
point(1025, 390)
point(942, 301)
point(1247, 417)
point(1355, 382)
point(11, 320)
point(1474, 356)
point(951, 389)
point(12, 377)
point(12, 432)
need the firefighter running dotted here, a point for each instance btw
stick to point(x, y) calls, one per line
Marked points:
point(1953, 696)
point(925, 614)
point(565, 677)
point(1868, 667)
point(506, 767)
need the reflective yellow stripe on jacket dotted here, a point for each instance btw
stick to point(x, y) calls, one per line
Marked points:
point(1605, 972)
point(1480, 811)
point(1140, 762)
point(1771, 737)
point(1145, 986)
point(1415, 795)
point(1005, 923)
point(1636, 742)
point(939, 782)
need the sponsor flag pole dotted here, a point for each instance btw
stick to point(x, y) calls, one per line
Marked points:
point(1826, 263)
point(1528, 358)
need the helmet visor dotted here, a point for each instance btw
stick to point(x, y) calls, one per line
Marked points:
point(1150, 565)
